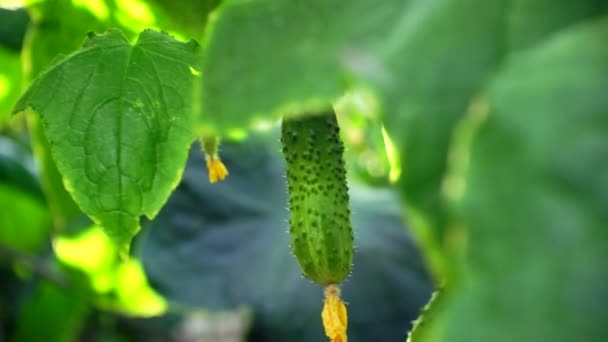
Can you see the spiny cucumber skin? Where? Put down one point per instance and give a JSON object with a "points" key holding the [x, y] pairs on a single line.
{"points": [[319, 225]]}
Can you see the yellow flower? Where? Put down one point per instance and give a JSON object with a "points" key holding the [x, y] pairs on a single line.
{"points": [[217, 169], [334, 315]]}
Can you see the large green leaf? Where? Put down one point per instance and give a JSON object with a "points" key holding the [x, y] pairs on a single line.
{"points": [[118, 119], [63, 209], [530, 22], [271, 57], [219, 246], [536, 196]]}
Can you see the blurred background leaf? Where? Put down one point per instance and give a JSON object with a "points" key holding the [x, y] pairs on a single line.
{"points": [[535, 197], [53, 312], [12, 30], [368, 156], [25, 222], [185, 16]]}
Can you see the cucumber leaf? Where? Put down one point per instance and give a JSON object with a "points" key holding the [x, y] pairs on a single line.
{"points": [[119, 122]]}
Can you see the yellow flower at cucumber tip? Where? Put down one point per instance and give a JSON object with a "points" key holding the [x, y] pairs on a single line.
{"points": [[217, 169], [335, 319]]}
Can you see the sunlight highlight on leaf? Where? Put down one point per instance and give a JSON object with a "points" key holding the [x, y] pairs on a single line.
{"points": [[124, 283], [91, 252], [97, 7], [5, 85], [135, 295], [10, 81], [195, 72], [135, 14], [393, 157], [14, 4]]}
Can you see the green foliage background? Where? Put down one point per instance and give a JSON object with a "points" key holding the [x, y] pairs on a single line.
{"points": [[494, 112]]}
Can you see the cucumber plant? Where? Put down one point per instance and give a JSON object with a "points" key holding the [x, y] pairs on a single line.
{"points": [[465, 98]]}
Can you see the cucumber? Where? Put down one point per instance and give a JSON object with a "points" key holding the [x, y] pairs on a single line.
{"points": [[319, 223]]}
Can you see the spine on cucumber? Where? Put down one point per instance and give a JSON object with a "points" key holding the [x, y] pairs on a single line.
{"points": [[319, 225]]}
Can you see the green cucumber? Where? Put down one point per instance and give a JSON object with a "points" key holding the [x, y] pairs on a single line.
{"points": [[319, 224]]}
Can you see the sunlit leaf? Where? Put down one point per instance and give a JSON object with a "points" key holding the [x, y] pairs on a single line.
{"points": [[118, 119], [10, 82], [90, 252], [12, 31], [13, 4], [365, 156], [189, 17], [135, 296], [134, 14], [120, 286]]}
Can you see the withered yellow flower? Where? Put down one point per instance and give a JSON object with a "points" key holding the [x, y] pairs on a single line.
{"points": [[335, 318], [217, 169]]}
